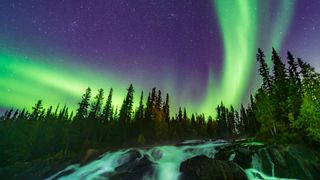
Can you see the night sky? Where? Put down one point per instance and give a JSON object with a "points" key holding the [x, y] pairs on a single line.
{"points": [[199, 51]]}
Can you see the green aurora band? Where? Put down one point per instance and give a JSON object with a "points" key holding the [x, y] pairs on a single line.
{"points": [[239, 21], [24, 80], [27, 79], [281, 24]]}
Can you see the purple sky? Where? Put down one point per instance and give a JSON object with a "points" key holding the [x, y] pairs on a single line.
{"points": [[149, 42]]}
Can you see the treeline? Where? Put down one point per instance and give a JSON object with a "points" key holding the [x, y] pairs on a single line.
{"points": [[97, 124], [286, 105]]}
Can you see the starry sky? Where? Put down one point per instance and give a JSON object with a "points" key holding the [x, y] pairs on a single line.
{"points": [[200, 52]]}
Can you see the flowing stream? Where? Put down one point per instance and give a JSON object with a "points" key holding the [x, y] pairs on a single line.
{"points": [[166, 161]]}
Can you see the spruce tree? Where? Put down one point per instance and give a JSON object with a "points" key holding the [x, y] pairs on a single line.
{"points": [[139, 116], [107, 110], [96, 105], [82, 111], [293, 69], [210, 127], [153, 98], [185, 117], [264, 71], [243, 121], [231, 121], [280, 90], [150, 116], [180, 123], [140, 113], [166, 109], [295, 96], [36, 110], [180, 116], [159, 101], [126, 108]]}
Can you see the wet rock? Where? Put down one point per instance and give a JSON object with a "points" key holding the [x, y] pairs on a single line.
{"points": [[129, 157], [202, 167], [236, 153], [134, 164], [293, 161], [224, 152], [136, 169], [243, 157], [258, 160], [156, 154], [91, 154]]}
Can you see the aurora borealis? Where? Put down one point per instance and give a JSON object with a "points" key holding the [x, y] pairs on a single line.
{"points": [[25, 80], [200, 52]]}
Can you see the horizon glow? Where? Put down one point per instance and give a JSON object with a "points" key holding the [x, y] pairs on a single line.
{"points": [[26, 80]]}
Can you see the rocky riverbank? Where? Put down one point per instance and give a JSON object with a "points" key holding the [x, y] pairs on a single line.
{"points": [[202, 160]]}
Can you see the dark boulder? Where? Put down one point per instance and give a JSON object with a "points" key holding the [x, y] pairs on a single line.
{"points": [[293, 161], [202, 167], [90, 155], [138, 168], [156, 154], [127, 159], [243, 157], [236, 153], [224, 152]]}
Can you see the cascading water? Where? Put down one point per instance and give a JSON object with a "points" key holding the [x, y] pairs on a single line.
{"points": [[166, 159], [270, 161], [106, 164], [257, 171], [164, 162]]}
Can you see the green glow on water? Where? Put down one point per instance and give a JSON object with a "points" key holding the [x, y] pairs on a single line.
{"points": [[254, 174]]}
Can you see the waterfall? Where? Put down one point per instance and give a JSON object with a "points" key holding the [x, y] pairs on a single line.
{"points": [[270, 161], [104, 165], [254, 174], [164, 162], [256, 162], [256, 170]]}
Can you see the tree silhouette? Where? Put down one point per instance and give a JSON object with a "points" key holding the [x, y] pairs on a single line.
{"points": [[264, 70], [96, 105], [295, 97], [107, 110], [126, 108], [280, 91], [82, 111], [36, 110]]}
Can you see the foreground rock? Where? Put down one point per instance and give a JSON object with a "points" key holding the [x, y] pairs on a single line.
{"points": [[200, 160], [134, 168], [290, 161], [294, 161], [202, 167]]}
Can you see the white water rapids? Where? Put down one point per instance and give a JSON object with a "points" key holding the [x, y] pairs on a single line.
{"points": [[166, 162]]}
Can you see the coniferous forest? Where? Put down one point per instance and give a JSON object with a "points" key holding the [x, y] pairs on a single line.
{"points": [[284, 109]]}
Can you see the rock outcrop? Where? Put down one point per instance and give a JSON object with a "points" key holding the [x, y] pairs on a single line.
{"points": [[202, 167]]}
